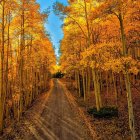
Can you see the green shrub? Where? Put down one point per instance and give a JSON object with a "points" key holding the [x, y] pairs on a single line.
{"points": [[58, 75], [105, 112]]}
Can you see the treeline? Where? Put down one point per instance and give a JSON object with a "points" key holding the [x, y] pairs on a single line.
{"points": [[26, 57], [101, 48]]}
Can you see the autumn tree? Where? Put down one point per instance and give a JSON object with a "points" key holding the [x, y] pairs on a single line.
{"points": [[27, 57], [107, 32]]}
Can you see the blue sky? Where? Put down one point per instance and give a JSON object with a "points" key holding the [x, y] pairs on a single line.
{"points": [[53, 25]]}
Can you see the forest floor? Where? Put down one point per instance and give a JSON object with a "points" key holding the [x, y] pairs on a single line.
{"points": [[114, 128], [51, 117]]}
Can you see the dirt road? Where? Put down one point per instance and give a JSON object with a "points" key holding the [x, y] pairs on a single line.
{"points": [[52, 118]]}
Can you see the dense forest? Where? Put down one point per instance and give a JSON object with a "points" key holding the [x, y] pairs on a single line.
{"points": [[100, 49], [26, 57]]}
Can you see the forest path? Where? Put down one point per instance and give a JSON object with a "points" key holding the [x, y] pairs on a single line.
{"points": [[54, 118]]}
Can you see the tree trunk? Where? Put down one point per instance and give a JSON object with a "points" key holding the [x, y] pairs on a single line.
{"points": [[2, 94], [127, 82]]}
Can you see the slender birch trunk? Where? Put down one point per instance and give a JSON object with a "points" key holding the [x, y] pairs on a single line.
{"points": [[127, 82]]}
